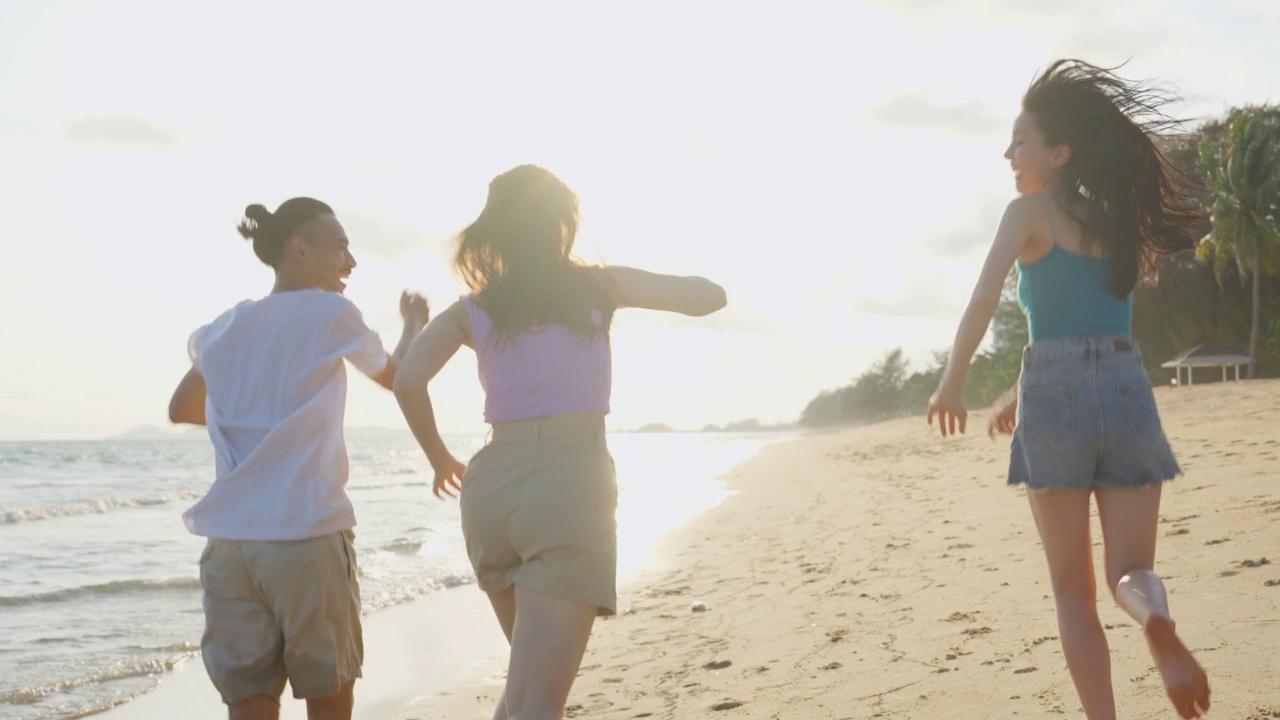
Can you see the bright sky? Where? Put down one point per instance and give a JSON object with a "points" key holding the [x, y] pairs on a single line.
{"points": [[836, 166]]}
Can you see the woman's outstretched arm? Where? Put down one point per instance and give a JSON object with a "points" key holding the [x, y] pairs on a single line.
{"points": [[1015, 231], [428, 354], [696, 296]]}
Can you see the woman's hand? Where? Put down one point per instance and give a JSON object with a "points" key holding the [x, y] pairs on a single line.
{"points": [[1004, 420], [946, 404], [449, 474]]}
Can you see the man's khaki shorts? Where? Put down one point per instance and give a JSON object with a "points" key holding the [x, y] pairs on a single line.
{"points": [[538, 505], [277, 611]]}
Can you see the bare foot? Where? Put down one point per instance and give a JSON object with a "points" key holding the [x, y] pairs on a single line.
{"points": [[1184, 679]]}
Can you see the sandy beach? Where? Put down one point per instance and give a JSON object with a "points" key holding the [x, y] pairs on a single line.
{"points": [[881, 572]]}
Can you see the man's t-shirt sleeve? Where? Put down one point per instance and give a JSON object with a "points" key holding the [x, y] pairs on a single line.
{"points": [[195, 349], [200, 340], [353, 340]]}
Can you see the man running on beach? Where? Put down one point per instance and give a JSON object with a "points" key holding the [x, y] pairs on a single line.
{"points": [[281, 597]]}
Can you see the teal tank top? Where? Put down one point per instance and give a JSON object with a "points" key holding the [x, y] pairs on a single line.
{"points": [[1068, 295]]}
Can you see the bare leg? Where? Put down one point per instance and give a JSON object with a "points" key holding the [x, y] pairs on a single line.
{"points": [[337, 706], [549, 639], [1062, 517], [1130, 520], [504, 607], [258, 707]]}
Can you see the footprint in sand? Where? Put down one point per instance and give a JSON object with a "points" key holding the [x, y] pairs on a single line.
{"points": [[727, 705], [717, 664], [958, 616], [1254, 563]]}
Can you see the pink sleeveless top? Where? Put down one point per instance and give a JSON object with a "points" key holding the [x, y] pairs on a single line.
{"points": [[543, 372]]}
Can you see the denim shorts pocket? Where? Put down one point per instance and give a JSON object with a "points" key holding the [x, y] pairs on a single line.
{"points": [[1140, 405], [1047, 414]]}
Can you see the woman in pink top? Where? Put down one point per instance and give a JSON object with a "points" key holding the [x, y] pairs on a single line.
{"points": [[538, 501]]}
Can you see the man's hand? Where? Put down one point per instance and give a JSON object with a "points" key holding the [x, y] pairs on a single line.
{"points": [[414, 309]]}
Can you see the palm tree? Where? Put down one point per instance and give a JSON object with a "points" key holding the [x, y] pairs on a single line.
{"points": [[1242, 171]]}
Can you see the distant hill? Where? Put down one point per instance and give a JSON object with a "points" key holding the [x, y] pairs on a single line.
{"points": [[751, 425], [654, 428]]}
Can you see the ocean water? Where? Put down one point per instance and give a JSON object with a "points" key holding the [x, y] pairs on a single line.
{"points": [[99, 592]]}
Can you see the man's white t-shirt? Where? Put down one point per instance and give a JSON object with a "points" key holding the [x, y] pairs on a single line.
{"points": [[277, 393]]}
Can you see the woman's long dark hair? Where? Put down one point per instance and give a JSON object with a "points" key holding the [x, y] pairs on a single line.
{"points": [[517, 257], [1117, 184]]}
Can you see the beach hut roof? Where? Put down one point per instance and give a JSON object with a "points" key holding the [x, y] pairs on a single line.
{"points": [[1208, 355]]}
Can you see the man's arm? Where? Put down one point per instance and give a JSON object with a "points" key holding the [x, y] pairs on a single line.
{"points": [[188, 401], [387, 378], [416, 314]]}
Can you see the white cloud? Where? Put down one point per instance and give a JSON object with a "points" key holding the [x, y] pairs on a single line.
{"points": [[123, 130], [968, 234], [916, 111], [379, 234]]}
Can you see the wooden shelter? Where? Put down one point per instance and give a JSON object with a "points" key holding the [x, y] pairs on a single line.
{"points": [[1208, 355]]}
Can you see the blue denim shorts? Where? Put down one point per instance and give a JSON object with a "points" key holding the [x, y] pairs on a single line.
{"points": [[1087, 418]]}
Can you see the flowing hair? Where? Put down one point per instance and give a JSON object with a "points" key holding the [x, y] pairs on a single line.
{"points": [[517, 257], [1117, 184]]}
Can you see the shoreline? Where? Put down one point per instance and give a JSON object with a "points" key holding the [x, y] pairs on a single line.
{"points": [[410, 653]]}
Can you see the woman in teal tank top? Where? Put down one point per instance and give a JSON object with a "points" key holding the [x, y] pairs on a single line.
{"points": [[1097, 203]]}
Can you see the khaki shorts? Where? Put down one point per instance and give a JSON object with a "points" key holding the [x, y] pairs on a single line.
{"points": [[538, 510], [277, 611]]}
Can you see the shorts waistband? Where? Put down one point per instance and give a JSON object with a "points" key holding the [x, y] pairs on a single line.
{"points": [[1083, 347], [573, 429]]}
